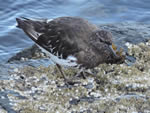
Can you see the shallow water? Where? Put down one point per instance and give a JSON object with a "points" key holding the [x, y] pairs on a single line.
{"points": [[12, 40]]}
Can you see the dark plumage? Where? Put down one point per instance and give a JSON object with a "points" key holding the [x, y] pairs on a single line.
{"points": [[87, 45]]}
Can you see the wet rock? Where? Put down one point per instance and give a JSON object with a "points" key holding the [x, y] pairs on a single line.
{"points": [[2, 110], [30, 53], [128, 32], [115, 88]]}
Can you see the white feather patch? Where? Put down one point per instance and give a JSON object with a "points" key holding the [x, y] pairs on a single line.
{"points": [[71, 61], [48, 20], [34, 34]]}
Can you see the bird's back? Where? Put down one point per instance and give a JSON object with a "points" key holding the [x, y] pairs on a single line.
{"points": [[70, 36], [73, 29]]}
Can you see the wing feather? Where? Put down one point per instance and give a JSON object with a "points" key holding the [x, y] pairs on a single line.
{"points": [[57, 42]]}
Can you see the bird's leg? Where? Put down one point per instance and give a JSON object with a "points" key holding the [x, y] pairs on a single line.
{"points": [[67, 81], [60, 70], [82, 72], [79, 72]]}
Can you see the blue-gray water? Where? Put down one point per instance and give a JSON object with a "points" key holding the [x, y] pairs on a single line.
{"points": [[12, 40]]}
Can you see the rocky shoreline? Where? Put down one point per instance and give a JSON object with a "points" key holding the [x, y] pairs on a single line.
{"points": [[116, 88]]}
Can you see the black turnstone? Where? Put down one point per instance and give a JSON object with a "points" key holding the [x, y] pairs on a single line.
{"points": [[72, 41]]}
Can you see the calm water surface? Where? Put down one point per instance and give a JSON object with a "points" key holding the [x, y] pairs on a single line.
{"points": [[12, 40]]}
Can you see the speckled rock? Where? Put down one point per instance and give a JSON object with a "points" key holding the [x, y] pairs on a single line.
{"points": [[116, 88]]}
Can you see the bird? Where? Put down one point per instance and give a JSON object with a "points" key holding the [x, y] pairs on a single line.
{"points": [[72, 42]]}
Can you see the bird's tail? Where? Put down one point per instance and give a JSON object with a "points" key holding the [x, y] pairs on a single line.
{"points": [[31, 27]]}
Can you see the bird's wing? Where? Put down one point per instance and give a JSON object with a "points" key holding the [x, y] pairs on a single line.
{"points": [[57, 42], [50, 35], [33, 28]]}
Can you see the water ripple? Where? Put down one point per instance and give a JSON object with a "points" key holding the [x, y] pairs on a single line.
{"points": [[98, 11]]}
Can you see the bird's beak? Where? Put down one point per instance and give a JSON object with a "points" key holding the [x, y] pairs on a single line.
{"points": [[120, 54], [113, 49], [116, 52]]}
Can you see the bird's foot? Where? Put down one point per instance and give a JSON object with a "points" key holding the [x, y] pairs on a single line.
{"points": [[92, 72], [85, 73], [71, 81]]}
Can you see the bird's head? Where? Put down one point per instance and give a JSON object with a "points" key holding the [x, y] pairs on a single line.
{"points": [[115, 55]]}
